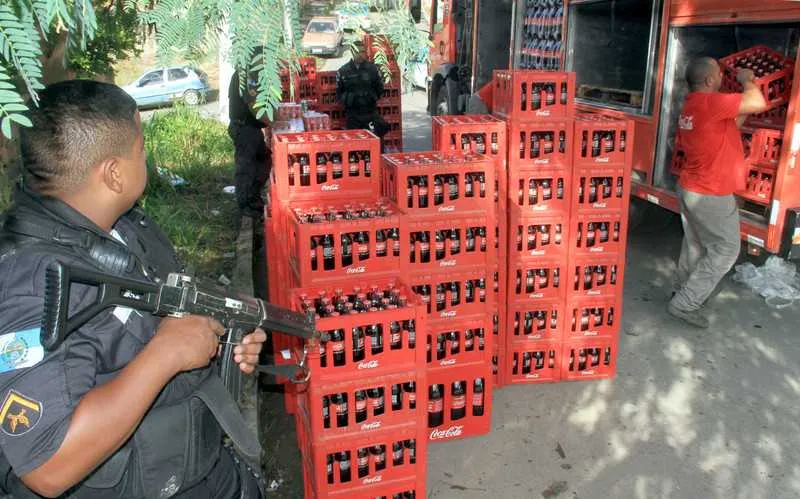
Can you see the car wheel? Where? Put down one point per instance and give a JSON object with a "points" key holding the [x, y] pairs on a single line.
{"points": [[191, 97]]}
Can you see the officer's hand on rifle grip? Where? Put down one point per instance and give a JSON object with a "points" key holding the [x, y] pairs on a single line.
{"points": [[189, 342], [246, 354]]}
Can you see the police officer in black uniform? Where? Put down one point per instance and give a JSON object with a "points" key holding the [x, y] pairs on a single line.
{"points": [[359, 85], [128, 405]]}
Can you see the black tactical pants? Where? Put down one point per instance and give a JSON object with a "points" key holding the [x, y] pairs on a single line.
{"points": [[223, 482], [253, 161]]}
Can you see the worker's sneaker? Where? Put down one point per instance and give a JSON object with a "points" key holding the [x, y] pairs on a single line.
{"points": [[694, 317]]}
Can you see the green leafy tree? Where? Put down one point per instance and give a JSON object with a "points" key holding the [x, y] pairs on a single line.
{"points": [[115, 39]]}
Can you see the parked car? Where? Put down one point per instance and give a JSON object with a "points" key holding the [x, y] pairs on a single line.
{"points": [[323, 36], [164, 85], [353, 14]]}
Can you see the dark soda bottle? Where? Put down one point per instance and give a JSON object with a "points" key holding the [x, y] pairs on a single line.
{"points": [[478, 397], [458, 403], [361, 406], [435, 406]]}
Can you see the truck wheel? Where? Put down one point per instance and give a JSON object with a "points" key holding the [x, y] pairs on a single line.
{"points": [[444, 99]]}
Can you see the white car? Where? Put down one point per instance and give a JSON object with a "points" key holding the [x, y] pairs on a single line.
{"points": [[353, 14]]}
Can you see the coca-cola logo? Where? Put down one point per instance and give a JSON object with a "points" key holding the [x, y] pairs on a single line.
{"points": [[535, 295], [356, 270], [448, 362], [599, 205], [533, 376], [452, 432], [368, 365], [537, 252], [598, 249], [451, 313], [539, 208], [371, 426], [332, 187], [541, 162], [543, 113], [602, 159], [587, 373], [374, 479], [444, 209], [447, 263], [591, 333], [593, 292]]}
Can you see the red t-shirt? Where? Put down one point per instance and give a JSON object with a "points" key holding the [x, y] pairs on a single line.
{"points": [[712, 144]]}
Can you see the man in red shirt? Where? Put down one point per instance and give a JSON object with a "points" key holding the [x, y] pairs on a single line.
{"points": [[714, 170]]}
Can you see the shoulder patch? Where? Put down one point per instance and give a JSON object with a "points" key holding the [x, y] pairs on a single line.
{"points": [[19, 414], [20, 349]]}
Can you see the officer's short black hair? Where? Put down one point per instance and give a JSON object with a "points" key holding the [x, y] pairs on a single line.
{"points": [[77, 124], [699, 69]]}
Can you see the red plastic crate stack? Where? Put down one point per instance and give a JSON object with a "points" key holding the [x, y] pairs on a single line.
{"points": [[484, 134], [774, 73], [449, 257], [304, 82]]}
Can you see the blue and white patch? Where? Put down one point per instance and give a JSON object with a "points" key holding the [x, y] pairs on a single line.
{"points": [[21, 349]]}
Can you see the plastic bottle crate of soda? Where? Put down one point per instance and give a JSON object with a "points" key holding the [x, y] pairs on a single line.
{"points": [[455, 343], [766, 148], [539, 191], [459, 402], [759, 184], [410, 180], [602, 140], [540, 279], [371, 326], [475, 133], [326, 81], [601, 189], [368, 465], [326, 165], [534, 236], [542, 144], [595, 275], [342, 239], [440, 244], [773, 73], [393, 142], [774, 118], [535, 362], [592, 318], [535, 321], [594, 358], [598, 233], [348, 409], [396, 489], [497, 359], [533, 95], [455, 293]]}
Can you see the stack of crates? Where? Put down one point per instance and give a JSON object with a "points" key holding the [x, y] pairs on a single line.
{"points": [[485, 134], [303, 83], [335, 250], [448, 256], [390, 105]]}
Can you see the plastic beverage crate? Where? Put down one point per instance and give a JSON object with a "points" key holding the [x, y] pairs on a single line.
{"points": [[371, 343], [541, 144], [759, 184], [592, 317], [342, 248], [439, 244], [534, 237], [775, 84], [767, 147], [393, 142], [594, 358], [539, 191], [456, 343], [535, 321], [347, 409], [601, 189], [535, 362], [497, 360], [326, 81], [595, 275], [326, 165], [475, 133], [598, 233], [410, 179], [602, 140], [454, 294], [465, 413], [541, 279], [532, 95], [774, 118]]}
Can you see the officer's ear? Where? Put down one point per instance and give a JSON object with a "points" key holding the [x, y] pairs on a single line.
{"points": [[111, 173]]}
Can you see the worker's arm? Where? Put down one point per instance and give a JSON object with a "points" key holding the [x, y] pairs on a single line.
{"points": [[753, 101], [107, 415]]}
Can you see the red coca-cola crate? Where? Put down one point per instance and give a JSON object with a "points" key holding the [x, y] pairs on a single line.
{"points": [[774, 118], [319, 252], [498, 357], [598, 233], [595, 275], [454, 294], [327, 98], [333, 466], [540, 279], [390, 108], [602, 140], [539, 191], [759, 184], [349, 409], [316, 122], [601, 189], [319, 153], [523, 95], [594, 358], [475, 133], [439, 244], [775, 82], [766, 148], [358, 335], [326, 81], [393, 142], [534, 362], [455, 343], [541, 144], [393, 489], [593, 317], [534, 237], [452, 416], [409, 180], [535, 321]]}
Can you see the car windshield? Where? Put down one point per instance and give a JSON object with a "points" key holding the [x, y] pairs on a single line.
{"points": [[321, 27]]}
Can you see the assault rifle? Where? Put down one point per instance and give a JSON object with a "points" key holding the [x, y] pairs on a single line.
{"points": [[177, 297]]}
